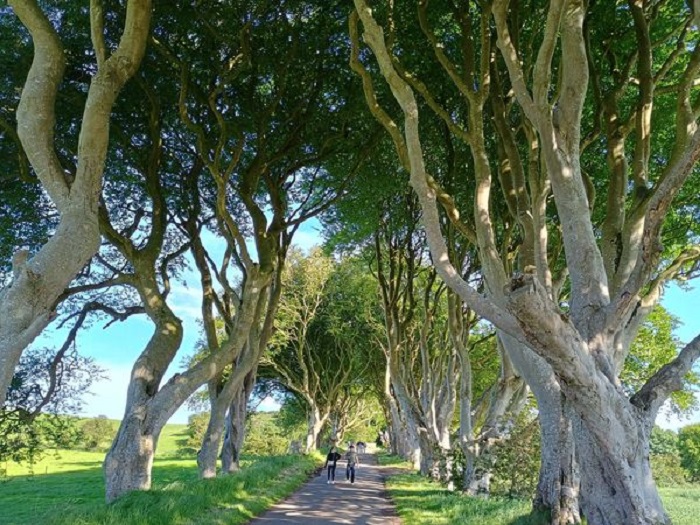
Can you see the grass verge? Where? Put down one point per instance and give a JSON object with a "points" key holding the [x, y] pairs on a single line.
{"points": [[76, 497], [422, 502]]}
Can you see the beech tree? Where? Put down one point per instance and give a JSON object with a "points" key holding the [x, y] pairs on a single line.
{"points": [[29, 299], [615, 264], [320, 348]]}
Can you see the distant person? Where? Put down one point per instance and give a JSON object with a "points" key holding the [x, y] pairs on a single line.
{"points": [[331, 463], [353, 462], [361, 447]]}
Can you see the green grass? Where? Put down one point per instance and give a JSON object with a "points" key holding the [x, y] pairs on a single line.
{"points": [[421, 502], [69, 490], [682, 504]]}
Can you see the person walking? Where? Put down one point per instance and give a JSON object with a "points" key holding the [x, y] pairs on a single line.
{"points": [[353, 462], [331, 463]]}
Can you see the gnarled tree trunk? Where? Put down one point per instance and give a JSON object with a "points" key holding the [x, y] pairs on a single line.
{"points": [[148, 408], [236, 426], [314, 424], [28, 302], [558, 485]]}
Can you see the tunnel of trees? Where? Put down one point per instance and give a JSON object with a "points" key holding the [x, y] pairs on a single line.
{"points": [[503, 189]]}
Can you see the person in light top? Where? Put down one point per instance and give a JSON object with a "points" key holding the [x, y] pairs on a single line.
{"points": [[353, 462]]}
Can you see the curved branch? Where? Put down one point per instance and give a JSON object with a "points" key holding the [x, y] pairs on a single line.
{"points": [[667, 380]]}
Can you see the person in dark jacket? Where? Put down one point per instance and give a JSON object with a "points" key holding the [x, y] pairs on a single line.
{"points": [[331, 463]]}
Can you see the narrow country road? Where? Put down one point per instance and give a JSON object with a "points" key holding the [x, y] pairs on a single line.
{"points": [[363, 503]]}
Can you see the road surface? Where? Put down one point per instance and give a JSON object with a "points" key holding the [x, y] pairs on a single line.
{"points": [[363, 503]]}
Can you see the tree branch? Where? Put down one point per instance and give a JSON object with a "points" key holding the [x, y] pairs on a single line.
{"points": [[667, 380]]}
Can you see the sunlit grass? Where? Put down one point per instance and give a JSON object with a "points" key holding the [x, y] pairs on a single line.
{"points": [[682, 504], [421, 502], [68, 489]]}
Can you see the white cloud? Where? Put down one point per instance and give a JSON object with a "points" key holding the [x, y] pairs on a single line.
{"points": [[268, 405], [186, 301]]}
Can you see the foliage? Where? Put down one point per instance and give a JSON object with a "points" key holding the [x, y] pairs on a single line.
{"points": [[667, 470], [98, 433], [663, 441], [196, 427], [264, 436], [689, 448], [291, 417], [325, 350], [48, 382], [266, 433], [30, 441], [665, 458], [654, 346], [518, 458]]}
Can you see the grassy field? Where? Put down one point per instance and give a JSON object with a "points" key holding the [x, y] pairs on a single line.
{"points": [[68, 489], [421, 502]]}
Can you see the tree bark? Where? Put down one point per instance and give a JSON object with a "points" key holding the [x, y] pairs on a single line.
{"points": [[236, 426], [558, 484], [315, 422], [221, 403], [613, 491], [411, 448], [129, 462]]}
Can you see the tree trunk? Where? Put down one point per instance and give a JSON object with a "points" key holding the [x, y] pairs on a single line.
{"points": [[235, 387], [129, 461], [209, 452], [236, 426], [617, 490], [558, 484], [147, 403], [411, 449], [394, 417], [315, 424], [395, 425], [28, 302]]}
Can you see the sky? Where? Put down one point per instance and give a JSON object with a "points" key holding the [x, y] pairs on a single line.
{"points": [[116, 348]]}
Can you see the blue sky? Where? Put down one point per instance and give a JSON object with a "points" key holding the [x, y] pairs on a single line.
{"points": [[116, 348]]}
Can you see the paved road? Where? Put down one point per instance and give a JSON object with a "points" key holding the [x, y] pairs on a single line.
{"points": [[363, 503]]}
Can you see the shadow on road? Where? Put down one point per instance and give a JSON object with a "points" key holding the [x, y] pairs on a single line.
{"points": [[363, 503]]}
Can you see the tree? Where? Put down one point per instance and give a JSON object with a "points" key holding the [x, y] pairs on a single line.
{"points": [[251, 154], [654, 346], [46, 389], [29, 300], [614, 265], [302, 366], [689, 448], [97, 433]]}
